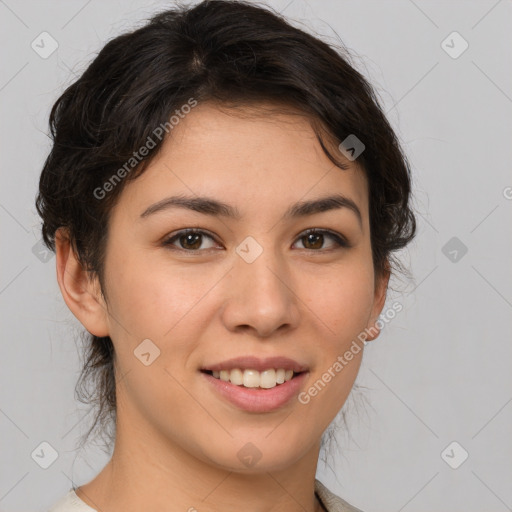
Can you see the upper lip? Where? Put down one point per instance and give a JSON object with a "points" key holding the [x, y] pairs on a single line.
{"points": [[255, 363]]}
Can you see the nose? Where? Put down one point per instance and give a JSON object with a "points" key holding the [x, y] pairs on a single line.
{"points": [[261, 296]]}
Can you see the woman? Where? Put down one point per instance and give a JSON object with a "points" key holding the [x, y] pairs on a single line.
{"points": [[224, 195]]}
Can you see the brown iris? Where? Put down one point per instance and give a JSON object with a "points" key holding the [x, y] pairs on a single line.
{"points": [[191, 236], [311, 237]]}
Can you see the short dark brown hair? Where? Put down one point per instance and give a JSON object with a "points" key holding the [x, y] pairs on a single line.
{"points": [[233, 53]]}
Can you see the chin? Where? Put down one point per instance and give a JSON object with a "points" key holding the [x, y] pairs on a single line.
{"points": [[257, 454]]}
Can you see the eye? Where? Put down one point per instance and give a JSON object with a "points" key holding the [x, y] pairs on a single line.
{"points": [[314, 238], [189, 239]]}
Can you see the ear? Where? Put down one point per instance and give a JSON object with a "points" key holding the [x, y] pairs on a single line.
{"points": [[81, 293], [379, 299]]}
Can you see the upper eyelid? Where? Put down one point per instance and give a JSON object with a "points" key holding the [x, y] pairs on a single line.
{"points": [[201, 231]]}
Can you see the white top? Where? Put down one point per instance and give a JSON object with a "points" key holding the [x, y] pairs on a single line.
{"points": [[332, 503]]}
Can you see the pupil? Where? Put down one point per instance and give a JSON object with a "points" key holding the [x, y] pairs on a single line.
{"points": [[190, 236], [312, 236]]}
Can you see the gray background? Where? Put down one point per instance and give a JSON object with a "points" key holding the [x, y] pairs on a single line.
{"points": [[439, 373]]}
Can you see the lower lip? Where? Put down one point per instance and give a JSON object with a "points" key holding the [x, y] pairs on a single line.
{"points": [[257, 399]]}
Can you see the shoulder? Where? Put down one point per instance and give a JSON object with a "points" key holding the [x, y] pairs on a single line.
{"points": [[332, 502], [71, 503]]}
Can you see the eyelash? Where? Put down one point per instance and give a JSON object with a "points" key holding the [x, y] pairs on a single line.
{"points": [[339, 239]]}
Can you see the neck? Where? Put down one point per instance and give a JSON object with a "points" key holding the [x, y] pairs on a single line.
{"points": [[149, 473]]}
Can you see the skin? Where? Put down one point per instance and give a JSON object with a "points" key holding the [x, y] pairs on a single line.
{"points": [[177, 440]]}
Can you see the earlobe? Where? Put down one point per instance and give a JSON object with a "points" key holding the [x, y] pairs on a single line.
{"points": [[373, 329], [81, 294]]}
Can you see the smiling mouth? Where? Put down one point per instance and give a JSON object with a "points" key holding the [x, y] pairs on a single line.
{"points": [[250, 378]]}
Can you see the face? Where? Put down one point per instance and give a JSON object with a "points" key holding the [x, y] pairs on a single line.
{"points": [[255, 284]]}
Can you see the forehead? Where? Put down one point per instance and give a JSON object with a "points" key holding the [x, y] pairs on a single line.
{"points": [[258, 160]]}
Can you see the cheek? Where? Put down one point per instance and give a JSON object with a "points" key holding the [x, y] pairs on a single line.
{"points": [[152, 300], [341, 301], [340, 305]]}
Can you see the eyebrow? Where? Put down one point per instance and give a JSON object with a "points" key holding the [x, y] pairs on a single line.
{"points": [[214, 207]]}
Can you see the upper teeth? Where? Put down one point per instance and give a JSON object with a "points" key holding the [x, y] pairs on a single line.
{"points": [[253, 378]]}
